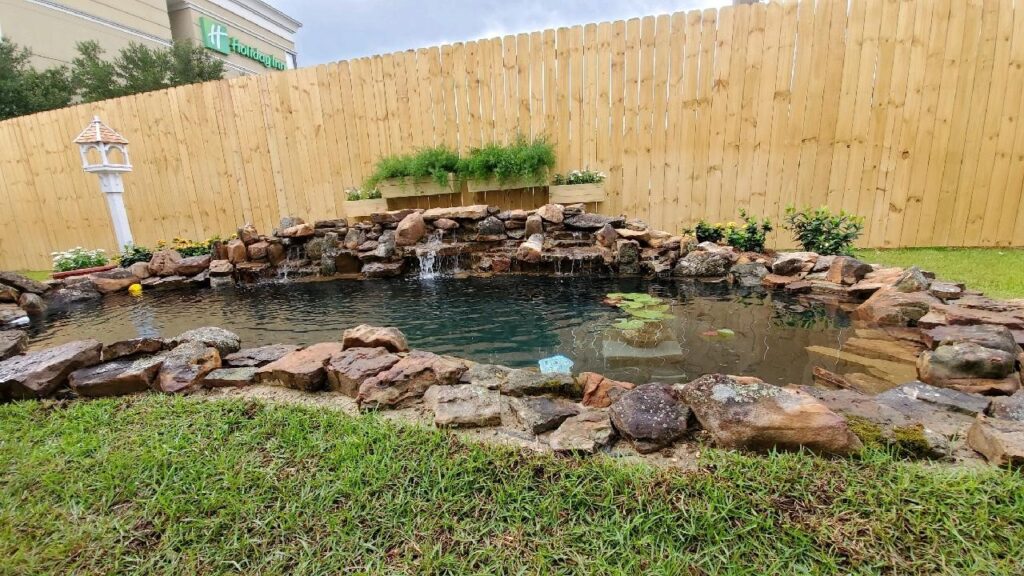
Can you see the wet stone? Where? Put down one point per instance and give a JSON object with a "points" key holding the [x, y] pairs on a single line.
{"points": [[236, 377], [38, 374], [260, 356], [124, 376], [540, 414], [12, 342]]}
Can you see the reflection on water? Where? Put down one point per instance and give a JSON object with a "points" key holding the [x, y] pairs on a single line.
{"points": [[506, 320]]}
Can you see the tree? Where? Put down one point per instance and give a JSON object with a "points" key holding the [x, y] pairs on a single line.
{"points": [[93, 76], [24, 90]]}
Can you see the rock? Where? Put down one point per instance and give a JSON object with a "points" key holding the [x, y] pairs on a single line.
{"points": [[185, 366], [892, 307], [12, 315], [297, 231], [946, 291], [386, 247], [554, 213], [383, 269], [584, 433], [333, 223], [301, 370], [289, 221], [601, 392], [952, 400], [1005, 407], [116, 378], [968, 367], [8, 293], [129, 348], [392, 216], [411, 229], [759, 416], [446, 224], [587, 221], [642, 236], [606, 236], [531, 250], [354, 238], [32, 304], [221, 268], [347, 370], [406, 381], [223, 340], [748, 275], [260, 356], [248, 234], [165, 262], [790, 263], [164, 283], [847, 270], [22, 283], [475, 212], [703, 264], [651, 417], [38, 374], [237, 251], [823, 263], [12, 342], [463, 406], [276, 253], [490, 230], [541, 414], [628, 257], [368, 246], [258, 250], [115, 280], [912, 280], [235, 377], [1000, 441], [140, 270], [518, 382], [986, 335], [192, 265], [366, 336], [534, 225], [70, 294]]}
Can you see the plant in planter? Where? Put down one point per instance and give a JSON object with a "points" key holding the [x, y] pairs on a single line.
{"points": [[819, 230], [577, 186], [425, 172], [79, 258], [521, 164], [361, 202], [132, 254], [644, 325]]}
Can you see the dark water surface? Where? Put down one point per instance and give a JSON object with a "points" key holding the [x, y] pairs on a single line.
{"points": [[505, 320]]}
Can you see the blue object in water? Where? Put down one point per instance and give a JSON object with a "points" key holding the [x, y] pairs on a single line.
{"points": [[555, 365]]}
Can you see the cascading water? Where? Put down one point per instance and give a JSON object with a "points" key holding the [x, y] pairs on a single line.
{"points": [[430, 262], [292, 257]]}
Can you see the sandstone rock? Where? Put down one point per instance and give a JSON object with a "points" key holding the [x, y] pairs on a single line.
{"points": [[490, 229], [333, 223], [221, 268], [235, 377], [606, 236], [406, 381], [347, 370], [903, 396], [115, 280], [248, 234], [140, 270], [164, 283], [22, 283], [12, 342], [354, 238], [986, 335], [703, 264], [790, 263], [297, 231], [165, 262], [301, 370], [584, 433], [892, 307], [192, 265], [237, 252], [554, 213], [628, 257], [410, 230], [475, 212], [912, 280], [534, 225], [968, 367], [12, 315], [258, 250], [1005, 407], [392, 216], [289, 221], [587, 221], [463, 406], [32, 304], [383, 269], [748, 275], [1000, 441], [847, 270], [446, 224], [366, 336], [540, 414], [651, 417], [386, 246], [601, 392], [642, 236], [758, 416], [223, 340], [260, 356], [185, 366], [68, 295], [116, 378], [823, 263], [518, 382], [38, 374], [531, 250], [8, 293], [133, 347], [946, 291]]}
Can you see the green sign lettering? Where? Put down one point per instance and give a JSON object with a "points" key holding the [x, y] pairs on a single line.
{"points": [[216, 37]]}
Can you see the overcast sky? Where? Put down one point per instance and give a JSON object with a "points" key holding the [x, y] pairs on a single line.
{"points": [[342, 29]]}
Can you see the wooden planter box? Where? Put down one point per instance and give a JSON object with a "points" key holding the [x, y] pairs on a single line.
{"points": [[82, 271], [575, 193], [494, 185], [357, 208], [410, 188]]}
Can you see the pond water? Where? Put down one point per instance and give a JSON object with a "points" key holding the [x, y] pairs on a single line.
{"points": [[504, 320]]}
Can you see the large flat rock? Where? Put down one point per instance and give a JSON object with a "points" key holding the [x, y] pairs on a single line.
{"points": [[116, 378], [302, 370], [38, 374]]}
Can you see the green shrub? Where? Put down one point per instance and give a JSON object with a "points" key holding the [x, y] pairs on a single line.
{"points": [[435, 163], [750, 236], [78, 258], [356, 194], [819, 230], [704, 231], [522, 160], [132, 254], [187, 247], [578, 177]]}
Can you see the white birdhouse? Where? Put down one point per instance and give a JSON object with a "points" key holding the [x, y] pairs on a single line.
{"points": [[105, 153]]}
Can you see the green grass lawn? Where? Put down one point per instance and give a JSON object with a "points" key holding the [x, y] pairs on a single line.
{"points": [[998, 272], [168, 485]]}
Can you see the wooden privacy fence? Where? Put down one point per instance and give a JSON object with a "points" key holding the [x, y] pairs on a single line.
{"points": [[904, 111]]}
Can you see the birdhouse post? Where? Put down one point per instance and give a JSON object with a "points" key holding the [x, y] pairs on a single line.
{"points": [[105, 153]]}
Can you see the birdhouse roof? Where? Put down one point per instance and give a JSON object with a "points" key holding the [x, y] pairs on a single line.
{"points": [[99, 133]]}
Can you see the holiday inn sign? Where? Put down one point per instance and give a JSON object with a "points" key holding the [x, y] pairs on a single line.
{"points": [[215, 37]]}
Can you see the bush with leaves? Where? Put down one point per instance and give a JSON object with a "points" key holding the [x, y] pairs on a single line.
{"points": [[750, 236], [132, 254], [357, 194], [521, 161], [23, 90], [78, 258], [187, 247], [434, 163], [704, 231], [578, 177], [819, 230], [139, 68]]}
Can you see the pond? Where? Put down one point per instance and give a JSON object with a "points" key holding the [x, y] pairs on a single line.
{"points": [[510, 320]]}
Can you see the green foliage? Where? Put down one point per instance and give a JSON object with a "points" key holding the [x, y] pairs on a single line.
{"points": [[434, 163], [187, 247], [139, 68], [522, 160], [640, 307], [704, 231], [750, 236], [819, 230], [356, 194], [578, 177], [132, 253], [24, 90], [78, 258]]}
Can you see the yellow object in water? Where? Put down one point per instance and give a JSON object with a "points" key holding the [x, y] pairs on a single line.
{"points": [[135, 289]]}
